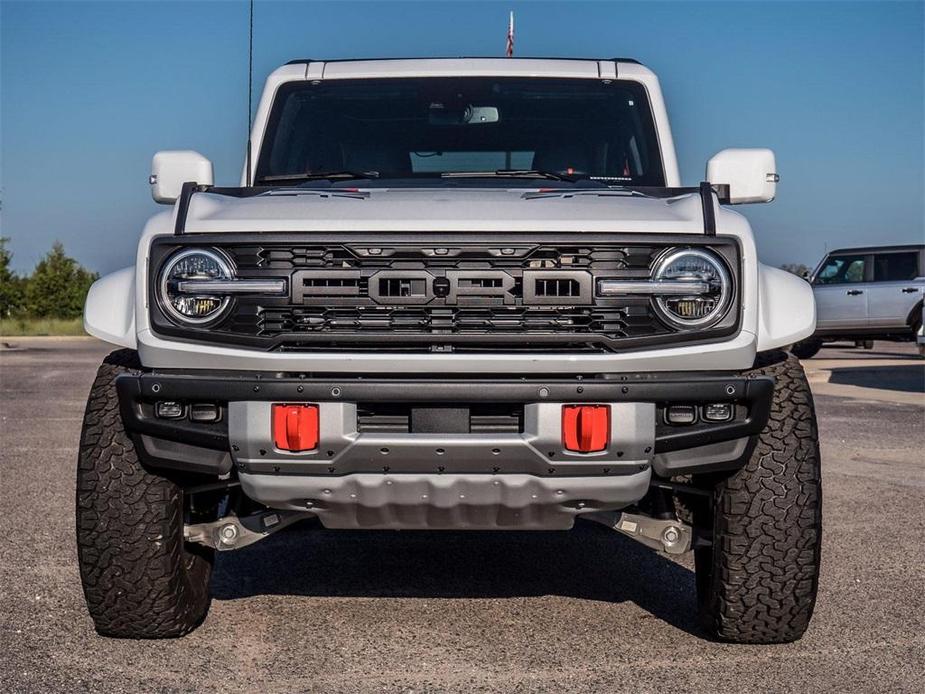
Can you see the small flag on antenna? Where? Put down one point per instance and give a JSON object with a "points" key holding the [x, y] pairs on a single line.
{"points": [[510, 37]]}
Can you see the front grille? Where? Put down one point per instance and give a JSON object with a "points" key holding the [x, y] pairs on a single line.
{"points": [[439, 293]]}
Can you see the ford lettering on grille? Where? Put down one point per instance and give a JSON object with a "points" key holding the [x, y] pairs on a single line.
{"points": [[450, 287]]}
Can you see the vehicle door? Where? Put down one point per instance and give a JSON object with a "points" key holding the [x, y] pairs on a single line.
{"points": [[894, 292], [840, 290]]}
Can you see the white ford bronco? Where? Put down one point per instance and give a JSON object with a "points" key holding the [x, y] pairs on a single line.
{"points": [[452, 294]]}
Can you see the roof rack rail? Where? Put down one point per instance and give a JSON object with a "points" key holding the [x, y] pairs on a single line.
{"points": [[301, 61]]}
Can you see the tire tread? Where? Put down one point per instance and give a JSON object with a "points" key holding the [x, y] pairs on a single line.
{"points": [[767, 523], [139, 579]]}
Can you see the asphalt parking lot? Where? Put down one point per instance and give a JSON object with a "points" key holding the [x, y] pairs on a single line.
{"points": [[586, 610]]}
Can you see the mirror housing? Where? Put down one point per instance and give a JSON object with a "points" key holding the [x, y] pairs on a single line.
{"points": [[170, 169], [744, 175]]}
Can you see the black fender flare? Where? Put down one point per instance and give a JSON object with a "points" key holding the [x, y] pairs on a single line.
{"points": [[915, 315]]}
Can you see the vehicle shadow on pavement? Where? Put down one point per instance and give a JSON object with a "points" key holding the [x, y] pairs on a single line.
{"points": [[590, 562], [835, 353], [906, 379]]}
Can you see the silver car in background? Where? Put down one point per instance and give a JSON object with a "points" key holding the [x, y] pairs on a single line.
{"points": [[865, 294]]}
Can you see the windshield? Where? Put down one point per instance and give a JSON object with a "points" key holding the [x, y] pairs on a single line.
{"points": [[428, 127]]}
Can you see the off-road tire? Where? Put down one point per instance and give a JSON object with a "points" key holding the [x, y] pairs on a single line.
{"points": [[806, 349], [139, 578], [758, 581]]}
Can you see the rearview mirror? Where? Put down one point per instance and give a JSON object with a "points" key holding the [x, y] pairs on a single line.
{"points": [[744, 175], [439, 114], [170, 169]]}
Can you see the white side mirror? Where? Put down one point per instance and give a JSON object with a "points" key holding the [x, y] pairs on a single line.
{"points": [[749, 174], [170, 169]]}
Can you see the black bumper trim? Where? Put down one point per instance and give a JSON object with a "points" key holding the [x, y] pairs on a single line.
{"points": [[138, 392]]}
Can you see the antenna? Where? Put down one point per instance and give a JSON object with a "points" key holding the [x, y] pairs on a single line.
{"points": [[509, 49], [250, 89]]}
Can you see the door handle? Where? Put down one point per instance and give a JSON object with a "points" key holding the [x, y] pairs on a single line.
{"points": [[910, 290], [854, 292]]}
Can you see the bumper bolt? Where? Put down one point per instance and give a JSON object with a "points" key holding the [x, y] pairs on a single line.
{"points": [[228, 535], [671, 535]]}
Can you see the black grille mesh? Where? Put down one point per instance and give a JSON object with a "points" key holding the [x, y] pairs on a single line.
{"points": [[340, 304], [615, 322]]}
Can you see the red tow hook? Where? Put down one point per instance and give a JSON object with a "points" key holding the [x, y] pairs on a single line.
{"points": [[585, 428], [295, 427]]}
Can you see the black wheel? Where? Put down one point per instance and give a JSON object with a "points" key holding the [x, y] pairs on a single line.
{"points": [[757, 582], [807, 348], [140, 579]]}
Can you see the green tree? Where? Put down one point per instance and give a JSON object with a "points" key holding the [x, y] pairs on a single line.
{"points": [[58, 286], [11, 285]]}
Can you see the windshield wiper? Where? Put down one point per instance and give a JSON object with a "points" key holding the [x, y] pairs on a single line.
{"points": [[320, 176], [510, 173]]}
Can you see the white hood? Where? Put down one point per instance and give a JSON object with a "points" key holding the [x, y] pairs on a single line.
{"points": [[444, 209]]}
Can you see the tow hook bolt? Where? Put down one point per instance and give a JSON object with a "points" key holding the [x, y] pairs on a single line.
{"points": [[228, 534], [671, 536]]}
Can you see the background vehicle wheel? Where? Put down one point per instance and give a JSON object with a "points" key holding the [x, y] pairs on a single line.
{"points": [[139, 577], [864, 344], [806, 349], [758, 581]]}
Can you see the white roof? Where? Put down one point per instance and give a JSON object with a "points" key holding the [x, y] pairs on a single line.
{"points": [[448, 67]]}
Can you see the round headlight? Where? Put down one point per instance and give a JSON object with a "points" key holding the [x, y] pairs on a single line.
{"points": [[700, 308], [183, 303]]}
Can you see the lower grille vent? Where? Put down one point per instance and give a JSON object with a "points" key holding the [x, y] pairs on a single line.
{"points": [[616, 322], [483, 418]]}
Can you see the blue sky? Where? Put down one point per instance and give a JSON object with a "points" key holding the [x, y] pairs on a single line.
{"points": [[89, 91]]}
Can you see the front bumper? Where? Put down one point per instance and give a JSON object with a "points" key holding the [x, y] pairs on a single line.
{"points": [[358, 477]]}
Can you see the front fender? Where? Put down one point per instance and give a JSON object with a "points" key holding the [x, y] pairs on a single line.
{"points": [[109, 312], [786, 308]]}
